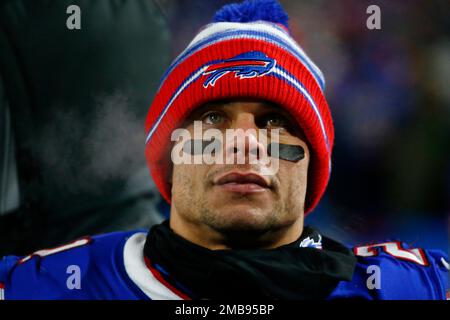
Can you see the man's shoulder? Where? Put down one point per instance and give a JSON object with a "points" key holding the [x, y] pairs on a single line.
{"points": [[78, 269], [395, 270]]}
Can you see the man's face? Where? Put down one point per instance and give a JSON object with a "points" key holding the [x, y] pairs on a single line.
{"points": [[242, 198]]}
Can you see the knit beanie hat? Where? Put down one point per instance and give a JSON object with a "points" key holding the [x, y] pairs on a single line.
{"points": [[247, 51]]}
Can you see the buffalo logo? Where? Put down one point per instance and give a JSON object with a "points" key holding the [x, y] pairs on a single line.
{"points": [[246, 65], [311, 243]]}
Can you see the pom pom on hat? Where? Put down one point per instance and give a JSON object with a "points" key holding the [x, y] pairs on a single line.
{"points": [[253, 10]]}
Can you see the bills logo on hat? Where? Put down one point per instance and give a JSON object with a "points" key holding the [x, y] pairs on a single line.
{"points": [[246, 65]]}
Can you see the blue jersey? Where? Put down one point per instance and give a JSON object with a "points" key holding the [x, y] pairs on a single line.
{"points": [[112, 266]]}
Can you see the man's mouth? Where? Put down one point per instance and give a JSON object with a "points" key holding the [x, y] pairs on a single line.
{"points": [[243, 182]]}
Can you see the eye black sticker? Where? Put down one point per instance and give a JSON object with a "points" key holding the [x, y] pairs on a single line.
{"points": [[288, 152]]}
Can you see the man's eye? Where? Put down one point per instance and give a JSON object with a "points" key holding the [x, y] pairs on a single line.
{"points": [[275, 121], [213, 118]]}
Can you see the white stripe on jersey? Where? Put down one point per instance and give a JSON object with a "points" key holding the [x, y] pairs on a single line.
{"points": [[47, 252], [133, 256], [445, 263]]}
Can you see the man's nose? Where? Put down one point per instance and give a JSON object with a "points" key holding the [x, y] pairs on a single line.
{"points": [[246, 138], [245, 121]]}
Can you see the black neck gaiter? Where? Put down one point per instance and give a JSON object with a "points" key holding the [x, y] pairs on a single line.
{"points": [[287, 272]]}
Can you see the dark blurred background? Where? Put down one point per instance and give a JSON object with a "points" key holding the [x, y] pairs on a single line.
{"points": [[73, 104]]}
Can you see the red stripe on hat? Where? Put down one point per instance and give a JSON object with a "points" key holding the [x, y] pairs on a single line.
{"points": [[228, 64]]}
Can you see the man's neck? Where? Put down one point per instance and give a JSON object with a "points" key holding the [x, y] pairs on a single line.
{"points": [[207, 237]]}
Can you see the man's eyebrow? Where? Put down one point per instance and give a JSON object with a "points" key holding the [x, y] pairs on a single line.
{"points": [[202, 109]]}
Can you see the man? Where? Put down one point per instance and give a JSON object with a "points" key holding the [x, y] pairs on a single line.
{"points": [[236, 227]]}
